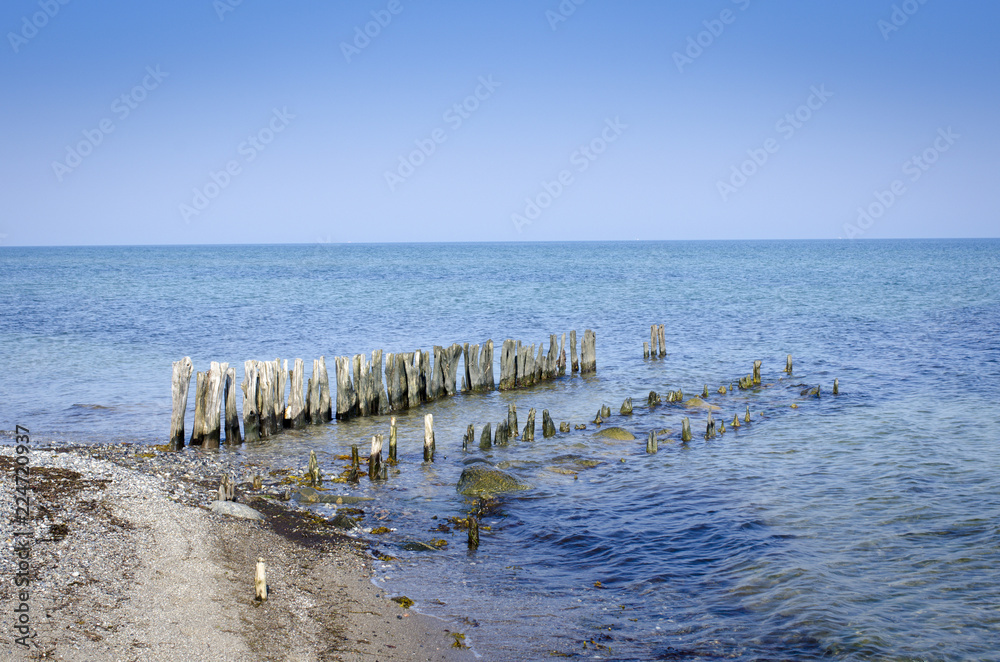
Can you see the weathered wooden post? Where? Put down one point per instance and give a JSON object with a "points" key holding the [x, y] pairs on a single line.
{"points": [[429, 438], [605, 411], [392, 440], [626, 409], [346, 397], [661, 331], [470, 436], [325, 402], [486, 438], [355, 464], [508, 359], [548, 428], [651, 442], [413, 371], [704, 393], [645, 350], [450, 367], [198, 429], [232, 416], [653, 399], [227, 489], [561, 365], [471, 371], [552, 358], [736, 420], [375, 458], [179, 384], [251, 414], [564, 426], [473, 533], [710, 426], [296, 399], [652, 340], [572, 351], [313, 473], [746, 419], [722, 427], [529, 427], [756, 373], [502, 434], [512, 419], [258, 482], [599, 419], [260, 581], [685, 430], [836, 386], [486, 367], [588, 352], [788, 364], [540, 363], [279, 393]]}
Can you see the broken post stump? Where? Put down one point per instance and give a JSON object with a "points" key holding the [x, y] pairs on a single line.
{"points": [[375, 458], [198, 428], [627, 407], [313, 473], [575, 367], [756, 373], [296, 399], [486, 438], [512, 420], [179, 384], [429, 438], [645, 350], [836, 387], [232, 416], [685, 430], [548, 428], [662, 333], [651, 442], [392, 440], [529, 427], [788, 364], [473, 533], [588, 352], [470, 436]]}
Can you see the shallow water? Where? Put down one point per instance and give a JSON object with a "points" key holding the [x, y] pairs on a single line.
{"points": [[858, 527]]}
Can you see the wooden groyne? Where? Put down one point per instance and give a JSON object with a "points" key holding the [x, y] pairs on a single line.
{"points": [[364, 386]]}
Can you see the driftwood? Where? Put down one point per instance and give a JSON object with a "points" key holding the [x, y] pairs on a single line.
{"points": [[260, 581], [179, 383]]}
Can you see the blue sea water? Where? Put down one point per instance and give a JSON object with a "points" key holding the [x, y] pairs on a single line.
{"points": [[862, 526]]}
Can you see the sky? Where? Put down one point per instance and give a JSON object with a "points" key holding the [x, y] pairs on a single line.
{"points": [[243, 121]]}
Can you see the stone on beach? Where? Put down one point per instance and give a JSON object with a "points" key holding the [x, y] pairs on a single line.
{"points": [[235, 510]]}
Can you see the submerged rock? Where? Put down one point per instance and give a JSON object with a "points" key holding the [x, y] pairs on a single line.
{"points": [[312, 495], [698, 403], [342, 521], [616, 433], [234, 509], [481, 479]]}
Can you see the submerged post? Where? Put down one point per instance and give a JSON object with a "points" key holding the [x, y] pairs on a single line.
{"points": [[685, 430], [179, 383], [836, 387], [645, 350], [756, 373], [746, 419], [627, 407], [429, 438], [473, 533], [651, 442], [710, 426], [788, 364], [529, 427], [470, 436], [548, 428]]}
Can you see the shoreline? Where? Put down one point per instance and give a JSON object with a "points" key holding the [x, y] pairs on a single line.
{"points": [[128, 563]]}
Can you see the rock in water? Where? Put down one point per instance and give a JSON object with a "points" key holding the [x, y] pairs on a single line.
{"points": [[235, 510], [701, 404], [618, 434], [481, 479]]}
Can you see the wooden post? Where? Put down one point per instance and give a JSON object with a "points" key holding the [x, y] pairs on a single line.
{"points": [[645, 350], [572, 351], [232, 416], [470, 373], [704, 393], [258, 482], [651, 442], [355, 464], [486, 438], [552, 358], [599, 419], [473, 533], [540, 363], [180, 381], [562, 356], [260, 581], [524, 365], [450, 368], [392, 440], [251, 415], [788, 364], [198, 429], [661, 331], [746, 419], [296, 401], [429, 438], [313, 474], [265, 387], [836, 388], [227, 488], [435, 387], [605, 411], [325, 402], [486, 367], [424, 378], [756, 373], [710, 426], [588, 352], [470, 436], [508, 358], [502, 434], [736, 420], [279, 393], [378, 404], [653, 399], [627, 407], [346, 396], [685, 430], [512, 419], [653, 340], [529, 427], [548, 428], [375, 458]]}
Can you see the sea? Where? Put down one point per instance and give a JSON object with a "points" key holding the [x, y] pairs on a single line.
{"points": [[857, 526]]}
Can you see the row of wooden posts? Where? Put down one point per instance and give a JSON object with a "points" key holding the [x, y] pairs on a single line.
{"points": [[410, 379]]}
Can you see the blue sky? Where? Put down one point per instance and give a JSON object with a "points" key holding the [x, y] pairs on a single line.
{"points": [[217, 122]]}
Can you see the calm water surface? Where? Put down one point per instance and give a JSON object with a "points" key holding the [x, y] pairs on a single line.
{"points": [[865, 526]]}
